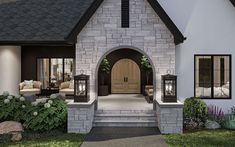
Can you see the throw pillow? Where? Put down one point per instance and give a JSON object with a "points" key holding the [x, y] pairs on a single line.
{"points": [[28, 84], [71, 85], [64, 85]]}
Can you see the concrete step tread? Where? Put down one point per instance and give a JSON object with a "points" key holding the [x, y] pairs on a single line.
{"points": [[125, 121], [125, 111], [125, 115]]}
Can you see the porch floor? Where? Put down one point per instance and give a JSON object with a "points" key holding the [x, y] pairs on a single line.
{"points": [[124, 102]]}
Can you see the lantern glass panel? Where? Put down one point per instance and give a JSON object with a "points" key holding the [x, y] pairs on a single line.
{"points": [[169, 88], [82, 88]]}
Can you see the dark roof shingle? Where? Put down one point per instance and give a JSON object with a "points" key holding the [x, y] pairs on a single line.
{"points": [[56, 21], [40, 20]]}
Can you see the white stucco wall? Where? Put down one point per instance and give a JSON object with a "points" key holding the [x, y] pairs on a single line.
{"points": [[209, 30], [10, 69], [180, 11]]}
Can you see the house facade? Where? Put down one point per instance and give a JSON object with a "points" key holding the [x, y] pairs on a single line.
{"points": [[207, 31], [75, 36]]}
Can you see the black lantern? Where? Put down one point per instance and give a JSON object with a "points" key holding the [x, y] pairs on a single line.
{"points": [[169, 88], [81, 88]]}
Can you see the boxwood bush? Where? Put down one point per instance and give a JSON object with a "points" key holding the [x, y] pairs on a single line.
{"points": [[42, 115], [195, 113]]}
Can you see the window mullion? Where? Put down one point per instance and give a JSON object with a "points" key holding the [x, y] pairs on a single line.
{"points": [[212, 76]]}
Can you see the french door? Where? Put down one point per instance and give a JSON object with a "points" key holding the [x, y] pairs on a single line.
{"points": [[53, 71]]}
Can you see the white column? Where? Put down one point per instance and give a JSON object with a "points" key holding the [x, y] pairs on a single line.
{"points": [[10, 69]]}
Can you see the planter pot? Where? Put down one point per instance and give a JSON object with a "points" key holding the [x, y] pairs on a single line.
{"points": [[212, 125], [103, 90]]}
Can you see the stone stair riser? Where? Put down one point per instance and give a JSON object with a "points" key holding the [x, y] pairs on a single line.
{"points": [[125, 118]]}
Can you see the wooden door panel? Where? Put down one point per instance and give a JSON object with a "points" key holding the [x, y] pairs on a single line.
{"points": [[133, 74], [129, 70], [117, 77]]}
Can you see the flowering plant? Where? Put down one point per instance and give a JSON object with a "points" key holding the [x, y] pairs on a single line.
{"points": [[12, 108], [42, 115], [46, 114], [215, 114], [5, 93]]}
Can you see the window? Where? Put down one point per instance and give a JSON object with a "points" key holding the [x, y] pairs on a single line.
{"points": [[53, 71], [125, 13], [213, 76]]}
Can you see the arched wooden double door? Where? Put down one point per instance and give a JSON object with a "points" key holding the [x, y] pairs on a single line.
{"points": [[125, 77]]}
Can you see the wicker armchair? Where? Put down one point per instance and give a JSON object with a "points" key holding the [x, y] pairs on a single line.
{"points": [[37, 86], [66, 89]]}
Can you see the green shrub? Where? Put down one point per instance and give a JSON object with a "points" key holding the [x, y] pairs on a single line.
{"points": [[4, 138], [233, 110], [195, 113], [12, 108], [229, 121], [46, 115]]}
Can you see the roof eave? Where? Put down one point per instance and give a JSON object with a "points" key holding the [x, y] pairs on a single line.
{"points": [[178, 36], [35, 42], [233, 2], [72, 37]]}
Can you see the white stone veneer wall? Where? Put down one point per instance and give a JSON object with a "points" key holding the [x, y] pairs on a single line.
{"points": [[170, 118], [104, 33], [10, 69], [80, 117]]}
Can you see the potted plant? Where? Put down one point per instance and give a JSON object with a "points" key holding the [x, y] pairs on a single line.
{"points": [[104, 70], [146, 68]]}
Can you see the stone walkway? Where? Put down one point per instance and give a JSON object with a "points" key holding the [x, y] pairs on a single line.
{"points": [[124, 137]]}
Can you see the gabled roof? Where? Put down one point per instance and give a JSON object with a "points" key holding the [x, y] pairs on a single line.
{"points": [[178, 36], [233, 2], [55, 21], [40, 21]]}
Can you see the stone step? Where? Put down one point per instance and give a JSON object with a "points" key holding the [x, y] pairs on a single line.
{"points": [[125, 112], [125, 118], [125, 115], [125, 123]]}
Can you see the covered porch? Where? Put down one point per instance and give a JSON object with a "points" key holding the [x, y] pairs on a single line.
{"points": [[124, 102]]}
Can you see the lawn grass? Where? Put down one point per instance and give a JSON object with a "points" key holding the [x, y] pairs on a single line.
{"points": [[205, 138], [53, 139]]}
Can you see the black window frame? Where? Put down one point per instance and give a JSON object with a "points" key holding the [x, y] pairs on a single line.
{"points": [[49, 58], [212, 76]]}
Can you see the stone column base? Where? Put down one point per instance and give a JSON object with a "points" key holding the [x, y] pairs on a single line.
{"points": [[80, 117], [170, 117]]}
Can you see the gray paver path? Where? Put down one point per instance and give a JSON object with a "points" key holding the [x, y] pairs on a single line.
{"points": [[124, 137]]}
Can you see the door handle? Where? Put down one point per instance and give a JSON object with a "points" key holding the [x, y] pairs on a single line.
{"points": [[125, 79]]}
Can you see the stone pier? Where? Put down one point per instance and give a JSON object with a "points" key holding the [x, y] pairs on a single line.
{"points": [[80, 117], [170, 117]]}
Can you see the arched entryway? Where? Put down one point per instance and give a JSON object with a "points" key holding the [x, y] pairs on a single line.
{"points": [[126, 80], [125, 77]]}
